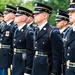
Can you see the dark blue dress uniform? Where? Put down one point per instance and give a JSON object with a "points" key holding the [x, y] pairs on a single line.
{"points": [[5, 47], [70, 47], [43, 53], [6, 44], [60, 16], [19, 44], [29, 49], [47, 46]]}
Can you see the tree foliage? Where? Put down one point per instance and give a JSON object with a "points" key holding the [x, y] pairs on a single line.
{"points": [[55, 4]]}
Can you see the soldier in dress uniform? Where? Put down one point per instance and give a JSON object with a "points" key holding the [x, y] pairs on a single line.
{"points": [[29, 44], [70, 43], [62, 19], [19, 41], [9, 15], [47, 43], [6, 42]]}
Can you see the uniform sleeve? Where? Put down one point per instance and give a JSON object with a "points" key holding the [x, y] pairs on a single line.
{"points": [[57, 47], [29, 52]]}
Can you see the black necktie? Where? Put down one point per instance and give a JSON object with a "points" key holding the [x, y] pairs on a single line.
{"points": [[17, 32], [37, 30]]}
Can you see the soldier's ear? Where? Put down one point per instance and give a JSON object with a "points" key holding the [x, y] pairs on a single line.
{"points": [[46, 15]]}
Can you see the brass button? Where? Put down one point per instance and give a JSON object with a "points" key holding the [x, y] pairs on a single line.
{"points": [[67, 54], [67, 67], [43, 42], [14, 39], [68, 47], [36, 42], [14, 44], [35, 47]]}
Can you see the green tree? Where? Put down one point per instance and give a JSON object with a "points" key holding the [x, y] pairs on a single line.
{"points": [[55, 4]]}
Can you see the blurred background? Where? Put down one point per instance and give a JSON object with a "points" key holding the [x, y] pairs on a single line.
{"points": [[55, 4]]}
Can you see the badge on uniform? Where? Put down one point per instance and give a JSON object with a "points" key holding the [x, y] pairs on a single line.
{"points": [[7, 33]]}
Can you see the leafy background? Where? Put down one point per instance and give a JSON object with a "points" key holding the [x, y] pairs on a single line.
{"points": [[55, 4]]}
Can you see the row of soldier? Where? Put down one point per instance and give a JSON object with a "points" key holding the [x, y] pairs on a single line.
{"points": [[28, 49]]}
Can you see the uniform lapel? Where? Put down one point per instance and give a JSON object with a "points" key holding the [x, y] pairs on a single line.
{"points": [[72, 37], [11, 23], [20, 32], [43, 31], [6, 27]]}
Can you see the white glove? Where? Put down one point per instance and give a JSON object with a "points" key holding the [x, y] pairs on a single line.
{"points": [[11, 66], [26, 74]]}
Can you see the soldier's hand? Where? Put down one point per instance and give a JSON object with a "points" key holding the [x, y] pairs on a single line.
{"points": [[11, 66]]}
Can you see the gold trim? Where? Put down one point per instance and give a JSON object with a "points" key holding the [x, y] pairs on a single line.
{"points": [[9, 71], [72, 3], [42, 7], [10, 9], [0, 45], [24, 11], [68, 62], [61, 16]]}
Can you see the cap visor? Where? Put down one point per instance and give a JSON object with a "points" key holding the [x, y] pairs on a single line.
{"points": [[34, 12], [5, 12], [17, 14], [58, 19], [71, 9]]}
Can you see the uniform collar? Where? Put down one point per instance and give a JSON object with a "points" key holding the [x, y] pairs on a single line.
{"points": [[61, 30], [73, 26], [9, 22], [29, 24], [20, 27], [41, 26]]}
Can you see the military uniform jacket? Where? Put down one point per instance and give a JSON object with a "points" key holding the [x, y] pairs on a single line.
{"points": [[52, 46], [30, 50], [70, 52], [19, 42], [5, 39]]}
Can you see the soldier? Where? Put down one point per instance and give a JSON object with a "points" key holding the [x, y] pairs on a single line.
{"points": [[19, 41], [6, 41], [70, 42], [47, 48], [62, 19], [29, 45]]}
